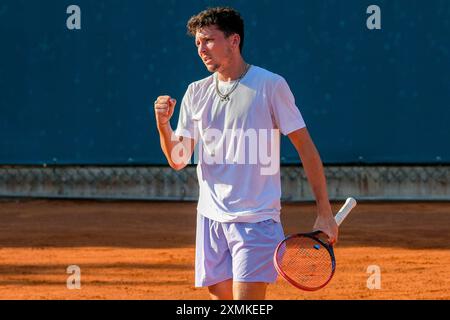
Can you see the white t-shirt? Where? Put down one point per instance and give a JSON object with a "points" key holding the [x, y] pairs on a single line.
{"points": [[239, 144]]}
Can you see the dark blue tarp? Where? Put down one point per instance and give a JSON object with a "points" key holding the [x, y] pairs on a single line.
{"points": [[85, 96]]}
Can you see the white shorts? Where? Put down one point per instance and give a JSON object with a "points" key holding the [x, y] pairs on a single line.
{"points": [[235, 250]]}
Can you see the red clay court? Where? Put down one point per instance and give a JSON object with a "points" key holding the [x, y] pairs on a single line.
{"points": [[145, 250]]}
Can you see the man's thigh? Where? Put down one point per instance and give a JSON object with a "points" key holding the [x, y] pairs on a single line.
{"points": [[252, 246]]}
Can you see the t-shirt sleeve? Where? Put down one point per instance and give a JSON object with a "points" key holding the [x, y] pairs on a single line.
{"points": [[186, 125], [286, 115]]}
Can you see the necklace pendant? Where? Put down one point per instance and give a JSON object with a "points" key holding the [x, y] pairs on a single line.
{"points": [[225, 99]]}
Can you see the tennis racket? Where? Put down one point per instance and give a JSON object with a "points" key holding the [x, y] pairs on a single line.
{"points": [[306, 260]]}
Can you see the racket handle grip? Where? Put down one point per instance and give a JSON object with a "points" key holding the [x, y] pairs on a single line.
{"points": [[350, 203]]}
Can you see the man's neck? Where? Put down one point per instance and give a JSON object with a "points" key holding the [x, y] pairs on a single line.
{"points": [[233, 71]]}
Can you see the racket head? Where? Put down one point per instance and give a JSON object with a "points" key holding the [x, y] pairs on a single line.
{"points": [[305, 260]]}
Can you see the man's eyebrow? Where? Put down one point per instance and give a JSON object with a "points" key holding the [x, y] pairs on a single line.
{"points": [[203, 38]]}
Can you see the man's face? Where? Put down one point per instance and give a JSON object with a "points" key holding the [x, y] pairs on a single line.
{"points": [[215, 50]]}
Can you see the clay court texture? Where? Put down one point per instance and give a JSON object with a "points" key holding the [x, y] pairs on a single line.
{"points": [[145, 250]]}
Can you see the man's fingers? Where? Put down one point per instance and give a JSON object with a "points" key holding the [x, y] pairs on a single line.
{"points": [[162, 99], [172, 103], [164, 106], [161, 106], [161, 112], [165, 102], [332, 240]]}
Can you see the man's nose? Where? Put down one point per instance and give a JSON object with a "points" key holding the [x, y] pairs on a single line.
{"points": [[202, 49]]}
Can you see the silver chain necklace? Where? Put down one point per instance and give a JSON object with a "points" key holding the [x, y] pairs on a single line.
{"points": [[226, 97]]}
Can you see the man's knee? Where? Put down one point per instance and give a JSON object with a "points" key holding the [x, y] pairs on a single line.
{"points": [[222, 290], [249, 290]]}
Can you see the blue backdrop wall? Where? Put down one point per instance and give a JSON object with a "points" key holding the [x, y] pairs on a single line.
{"points": [[85, 96]]}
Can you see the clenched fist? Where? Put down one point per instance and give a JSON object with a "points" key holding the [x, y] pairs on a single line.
{"points": [[164, 107]]}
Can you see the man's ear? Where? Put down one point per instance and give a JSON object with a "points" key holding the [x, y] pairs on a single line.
{"points": [[236, 40]]}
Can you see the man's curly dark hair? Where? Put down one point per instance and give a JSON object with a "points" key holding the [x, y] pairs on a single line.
{"points": [[227, 20]]}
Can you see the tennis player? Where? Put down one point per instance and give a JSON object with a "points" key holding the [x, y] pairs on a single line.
{"points": [[238, 212]]}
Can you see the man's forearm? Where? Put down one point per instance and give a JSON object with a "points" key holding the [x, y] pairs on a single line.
{"points": [[313, 167], [314, 170], [167, 142]]}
